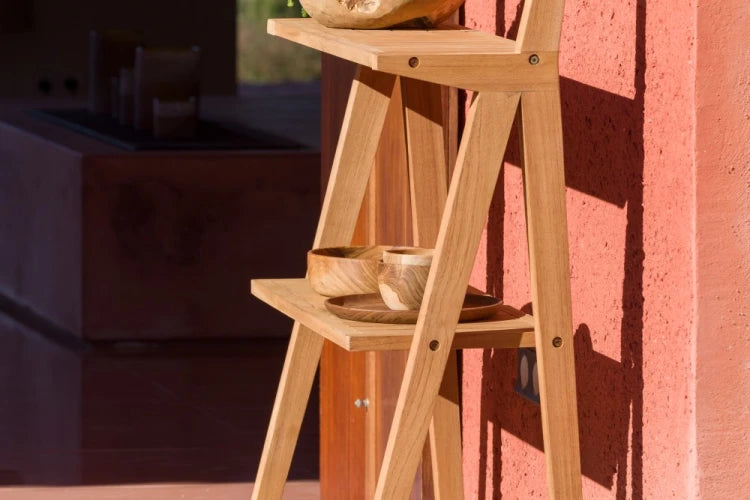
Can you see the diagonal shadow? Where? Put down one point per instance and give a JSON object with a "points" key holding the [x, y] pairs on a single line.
{"points": [[600, 129]]}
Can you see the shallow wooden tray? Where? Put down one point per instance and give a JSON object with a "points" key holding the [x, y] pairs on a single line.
{"points": [[371, 308]]}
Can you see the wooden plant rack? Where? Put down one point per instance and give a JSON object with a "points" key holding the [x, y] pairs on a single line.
{"points": [[505, 75]]}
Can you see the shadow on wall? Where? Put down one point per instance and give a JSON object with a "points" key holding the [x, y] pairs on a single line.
{"points": [[600, 128]]}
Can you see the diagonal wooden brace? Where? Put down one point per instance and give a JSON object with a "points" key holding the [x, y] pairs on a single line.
{"points": [[478, 165]]}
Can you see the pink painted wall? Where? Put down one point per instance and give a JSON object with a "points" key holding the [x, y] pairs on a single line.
{"points": [[642, 167], [722, 341]]}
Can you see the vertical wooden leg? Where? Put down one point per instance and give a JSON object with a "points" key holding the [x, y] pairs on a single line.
{"points": [[544, 181], [445, 438], [363, 123], [488, 126], [428, 171], [300, 366], [442, 471]]}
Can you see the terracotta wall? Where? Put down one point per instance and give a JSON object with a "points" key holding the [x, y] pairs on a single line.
{"points": [[722, 252], [55, 45], [650, 247]]}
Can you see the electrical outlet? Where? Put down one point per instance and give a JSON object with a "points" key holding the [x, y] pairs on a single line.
{"points": [[527, 381]]}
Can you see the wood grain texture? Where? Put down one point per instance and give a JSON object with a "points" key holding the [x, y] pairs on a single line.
{"points": [[371, 308], [409, 256], [480, 155], [335, 271], [342, 425], [297, 377], [363, 121], [342, 373], [428, 179], [541, 22], [445, 437], [389, 223], [511, 72], [424, 117], [363, 124], [402, 286], [451, 55], [336, 78], [544, 184], [365, 14], [449, 98], [509, 328]]}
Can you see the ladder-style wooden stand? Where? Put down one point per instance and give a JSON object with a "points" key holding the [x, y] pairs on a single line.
{"points": [[505, 75]]}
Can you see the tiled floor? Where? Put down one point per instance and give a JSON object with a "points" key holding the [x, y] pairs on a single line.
{"points": [[124, 415]]}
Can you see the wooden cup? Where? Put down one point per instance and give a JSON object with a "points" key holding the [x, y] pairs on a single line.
{"points": [[402, 277], [412, 256]]}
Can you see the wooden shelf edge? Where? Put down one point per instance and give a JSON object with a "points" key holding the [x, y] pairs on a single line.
{"points": [[294, 297], [463, 58]]}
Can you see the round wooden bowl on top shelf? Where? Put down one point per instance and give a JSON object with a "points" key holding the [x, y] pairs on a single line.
{"points": [[337, 271], [377, 14]]}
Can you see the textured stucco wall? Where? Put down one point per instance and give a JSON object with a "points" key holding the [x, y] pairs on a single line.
{"points": [[723, 248], [628, 93]]}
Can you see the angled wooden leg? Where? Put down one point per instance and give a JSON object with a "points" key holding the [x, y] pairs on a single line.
{"points": [[479, 159], [363, 123], [544, 181], [428, 185], [300, 366], [355, 154]]}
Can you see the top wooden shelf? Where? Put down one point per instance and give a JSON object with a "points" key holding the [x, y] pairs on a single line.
{"points": [[449, 55]]}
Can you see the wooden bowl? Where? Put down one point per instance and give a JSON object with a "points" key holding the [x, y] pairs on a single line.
{"points": [[402, 285], [337, 271]]}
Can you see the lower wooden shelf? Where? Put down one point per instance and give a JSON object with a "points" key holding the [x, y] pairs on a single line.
{"points": [[509, 328]]}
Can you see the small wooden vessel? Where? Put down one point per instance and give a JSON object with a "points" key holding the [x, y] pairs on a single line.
{"points": [[344, 270]]}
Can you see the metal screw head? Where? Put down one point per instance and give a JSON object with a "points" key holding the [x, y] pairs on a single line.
{"points": [[358, 403], [434, 345], [557, 342], [413, 62], [533, 59]]}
